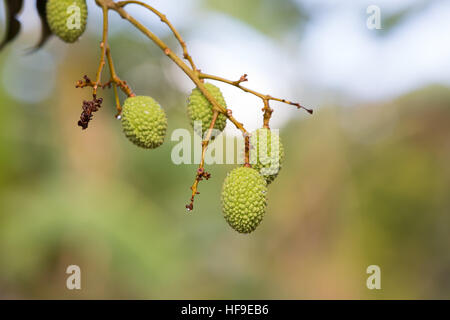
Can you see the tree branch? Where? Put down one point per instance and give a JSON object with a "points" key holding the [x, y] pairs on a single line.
{"points": [[264, 97], [117, 82], [103, 49]]}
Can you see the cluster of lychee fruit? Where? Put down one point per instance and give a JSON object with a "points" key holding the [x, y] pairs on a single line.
{"points": [[144, 122], [244, 192]]}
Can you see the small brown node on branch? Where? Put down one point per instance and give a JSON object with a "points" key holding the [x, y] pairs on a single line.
{"points": [[202, 174], [190, 206], [167, 51], [299, 106], [243, 78], [86, 82], [107, 85]]}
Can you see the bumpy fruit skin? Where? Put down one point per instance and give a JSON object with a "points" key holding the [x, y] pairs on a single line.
{"points": [[263, 158], [144, 122], [244, 199], [59, 13], [200, 109]]}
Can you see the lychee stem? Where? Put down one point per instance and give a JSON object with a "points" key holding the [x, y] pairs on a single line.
{"points": [[117, 82], [247, 151], [201, 173], [264, 97], [103, 46]]}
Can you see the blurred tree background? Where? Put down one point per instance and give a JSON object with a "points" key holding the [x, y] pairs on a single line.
{"points": [[366, 181]]}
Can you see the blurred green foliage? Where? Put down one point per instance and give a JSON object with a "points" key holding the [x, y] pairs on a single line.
{"points": [[270, 17]]}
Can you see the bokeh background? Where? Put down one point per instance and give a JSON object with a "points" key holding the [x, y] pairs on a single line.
{"points": [[366, 179]]}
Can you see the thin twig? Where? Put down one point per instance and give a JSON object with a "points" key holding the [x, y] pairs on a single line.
{"points": [[267, 114], [103, 49], [201, 173], [244, 78], [122, 84]]}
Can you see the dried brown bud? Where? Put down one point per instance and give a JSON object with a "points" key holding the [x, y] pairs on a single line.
{"points": [[89, 107]]}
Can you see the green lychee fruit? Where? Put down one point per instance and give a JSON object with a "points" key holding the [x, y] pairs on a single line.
{"points": [[67, 18], [266, 153], [244, 200], [144, 122], [200, 109]]}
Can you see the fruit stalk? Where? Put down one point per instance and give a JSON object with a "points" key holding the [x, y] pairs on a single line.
{"points": [[117, 82], [201, 173], [267, 114]]}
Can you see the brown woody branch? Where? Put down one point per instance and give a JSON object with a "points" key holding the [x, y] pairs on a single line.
{"points": [[201, 173]]}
